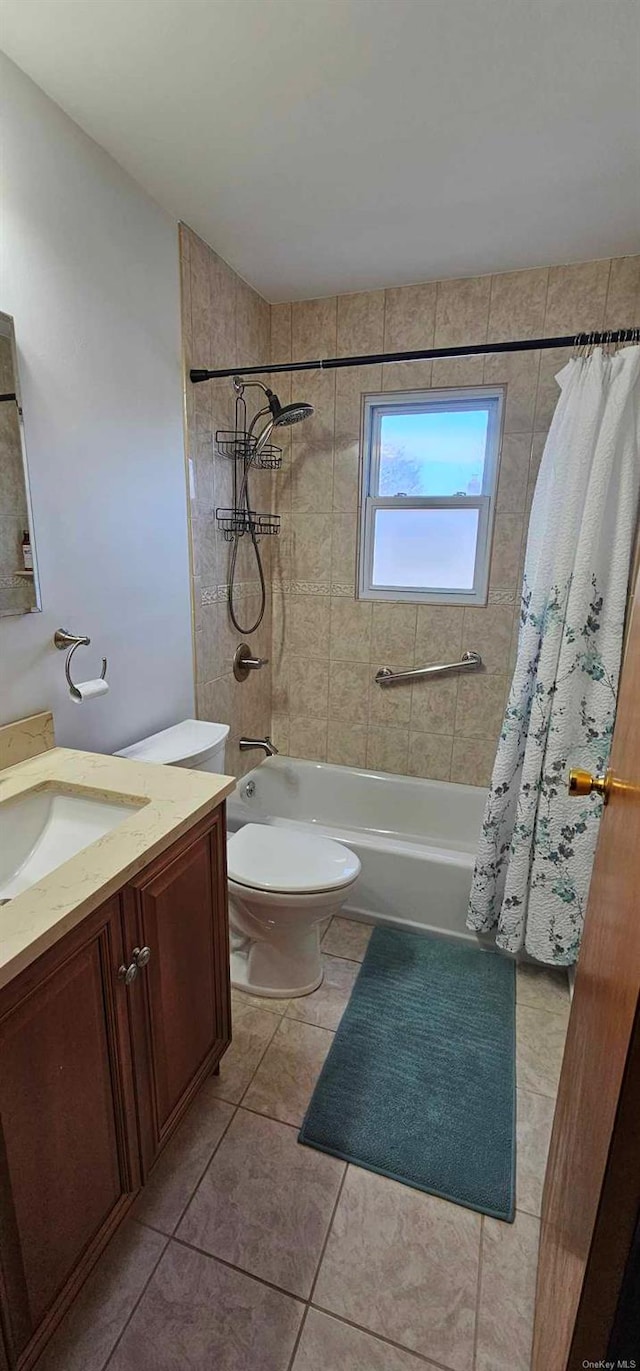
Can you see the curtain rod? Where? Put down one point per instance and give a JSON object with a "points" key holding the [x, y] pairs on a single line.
{"points": [[620, 335]]}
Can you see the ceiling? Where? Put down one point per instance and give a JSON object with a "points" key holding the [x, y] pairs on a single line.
{"points": [[340, 145]]}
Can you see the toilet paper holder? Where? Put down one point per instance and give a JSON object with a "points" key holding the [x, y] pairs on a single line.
{"points": [[63, 639]]}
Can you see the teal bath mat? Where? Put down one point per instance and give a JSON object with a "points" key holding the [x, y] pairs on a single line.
{"points": [[419, 1083]]}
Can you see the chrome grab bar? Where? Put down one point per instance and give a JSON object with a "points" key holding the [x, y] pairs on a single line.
{"points": [[469, 661]]}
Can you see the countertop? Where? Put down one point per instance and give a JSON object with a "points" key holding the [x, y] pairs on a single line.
{"points": [[172, 800]]}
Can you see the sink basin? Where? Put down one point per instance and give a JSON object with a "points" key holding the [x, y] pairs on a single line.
{"points": [[44, 828]]}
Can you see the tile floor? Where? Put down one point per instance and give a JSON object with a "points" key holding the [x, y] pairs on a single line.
{"points": [[247, 1252]]}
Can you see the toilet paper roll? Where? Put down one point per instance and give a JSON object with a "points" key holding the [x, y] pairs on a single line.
{"points": [[86, 690]]}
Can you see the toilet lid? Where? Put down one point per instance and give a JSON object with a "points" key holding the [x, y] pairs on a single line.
{"points": [[269, 858]]}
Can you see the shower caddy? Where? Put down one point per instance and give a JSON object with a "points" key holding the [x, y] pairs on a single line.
{"points": [[240, 446]]}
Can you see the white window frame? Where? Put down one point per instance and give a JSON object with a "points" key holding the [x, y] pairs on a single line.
{"points": [[408, 402]]}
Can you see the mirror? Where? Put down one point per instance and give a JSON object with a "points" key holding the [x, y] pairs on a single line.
{"points": [[19, 591]]}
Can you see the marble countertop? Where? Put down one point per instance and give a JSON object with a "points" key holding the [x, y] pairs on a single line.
{"points": [[171, 799]]}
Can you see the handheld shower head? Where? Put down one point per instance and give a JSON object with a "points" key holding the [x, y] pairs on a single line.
{"points": [[282, 415]]}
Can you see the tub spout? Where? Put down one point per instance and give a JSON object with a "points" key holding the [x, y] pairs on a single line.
{"points": [[269, 748]]}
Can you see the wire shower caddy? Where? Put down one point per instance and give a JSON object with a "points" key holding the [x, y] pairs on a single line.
{"points": [[241, 448]]}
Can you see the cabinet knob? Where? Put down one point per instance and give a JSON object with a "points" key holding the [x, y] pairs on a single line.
{"points": [[141, 955], [127, 973]]}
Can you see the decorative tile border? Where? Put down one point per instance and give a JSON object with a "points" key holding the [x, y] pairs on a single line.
{"points": [[211, 595]]}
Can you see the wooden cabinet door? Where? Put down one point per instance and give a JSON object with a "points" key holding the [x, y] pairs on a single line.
{"points": [[68, 1145], [180, 1000]]}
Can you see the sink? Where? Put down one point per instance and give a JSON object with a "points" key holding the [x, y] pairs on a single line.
{"points": [[44, 828]]}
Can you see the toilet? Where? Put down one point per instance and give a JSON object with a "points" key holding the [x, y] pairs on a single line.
{"points": [[283, 884]]}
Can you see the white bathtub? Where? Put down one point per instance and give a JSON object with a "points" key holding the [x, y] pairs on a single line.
{"points": [[416, 839]]}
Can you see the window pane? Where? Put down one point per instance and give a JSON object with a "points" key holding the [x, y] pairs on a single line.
{"points": [[432, 549], [433, 452]]}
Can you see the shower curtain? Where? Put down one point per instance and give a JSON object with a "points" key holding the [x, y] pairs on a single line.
{"points": [[536, 851]]}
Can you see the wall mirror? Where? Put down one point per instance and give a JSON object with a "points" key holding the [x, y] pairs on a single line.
{"points": [[19, 590]]}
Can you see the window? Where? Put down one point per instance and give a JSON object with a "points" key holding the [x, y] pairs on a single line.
{"points": [[429, 476]]}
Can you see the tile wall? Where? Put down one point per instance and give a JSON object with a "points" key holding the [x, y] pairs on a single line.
{"points": [[326, 644], [224, 323]]}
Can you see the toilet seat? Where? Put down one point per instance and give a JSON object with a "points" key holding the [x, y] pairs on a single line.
{"points": [[281, 860]]}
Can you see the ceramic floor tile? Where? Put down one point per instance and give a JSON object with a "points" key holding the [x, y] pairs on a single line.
{"points": [[542, 987], [507, 1294], [89, 1332], [265, 1203], [284, 1081], [329, 1345], [347, 938], [197, 1315], [241, 1000], [253, 1029], [327, 1004], [539, 1047], [174, 1179], [405, 1265], [535, 1119]]}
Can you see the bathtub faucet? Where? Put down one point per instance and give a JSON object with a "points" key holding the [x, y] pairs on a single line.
{"points": [[269, 748]]}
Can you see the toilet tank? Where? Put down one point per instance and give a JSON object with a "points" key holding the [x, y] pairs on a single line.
{"points": [[194, 743]]}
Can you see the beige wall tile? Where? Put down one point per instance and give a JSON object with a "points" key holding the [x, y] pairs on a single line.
{"points": [[314, 328], [308, 687], [308, 738], [576, 298], [623, 296], [393, 632], [410, 314], [488, 630], [548, 392], [347, 743], [480, 706], [406, 375], [450, 372], [518, 373], [514, 473], [311, 548], [311, 478], [438, 634], [518, 300], [360, 323], [433, 705], [430, 755], [472, 761], [343, 550], [505, 553], [388, 749], [349, 692], [279, 733], [462, 311], [389, 704], [350, 629], [346, 475], [307, 625]]}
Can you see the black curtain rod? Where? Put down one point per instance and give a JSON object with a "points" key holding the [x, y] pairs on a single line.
{"points": [[620, 335]]}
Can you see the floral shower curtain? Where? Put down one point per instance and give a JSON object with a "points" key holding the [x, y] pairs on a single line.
{"points": [[534, 861]]}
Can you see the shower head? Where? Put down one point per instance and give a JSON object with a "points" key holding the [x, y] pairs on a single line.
{"points": [[282, 415]]}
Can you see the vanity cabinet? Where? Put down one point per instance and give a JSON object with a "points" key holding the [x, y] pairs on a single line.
{"points": [[97, 1065]]}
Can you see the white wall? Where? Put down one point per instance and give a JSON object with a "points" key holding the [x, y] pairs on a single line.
{"points": [[89, 270]]}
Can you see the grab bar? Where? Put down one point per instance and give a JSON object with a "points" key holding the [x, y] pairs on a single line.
{"points": [[469, 661]]}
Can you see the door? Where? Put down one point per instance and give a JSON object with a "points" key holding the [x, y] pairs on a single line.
{"points": [[68, 1145], [180, 998], [592, 1186]]}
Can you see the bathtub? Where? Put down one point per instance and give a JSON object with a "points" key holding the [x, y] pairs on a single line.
{"points": [[416, 839]]}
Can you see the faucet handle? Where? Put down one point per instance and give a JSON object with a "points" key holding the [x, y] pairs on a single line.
{"points": [[244, 662]]}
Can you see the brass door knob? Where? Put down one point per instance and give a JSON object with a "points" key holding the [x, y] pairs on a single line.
{"points": [[583, 783]]}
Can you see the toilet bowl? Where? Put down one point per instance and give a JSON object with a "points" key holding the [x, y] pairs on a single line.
{"points": [[282, 886]]}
